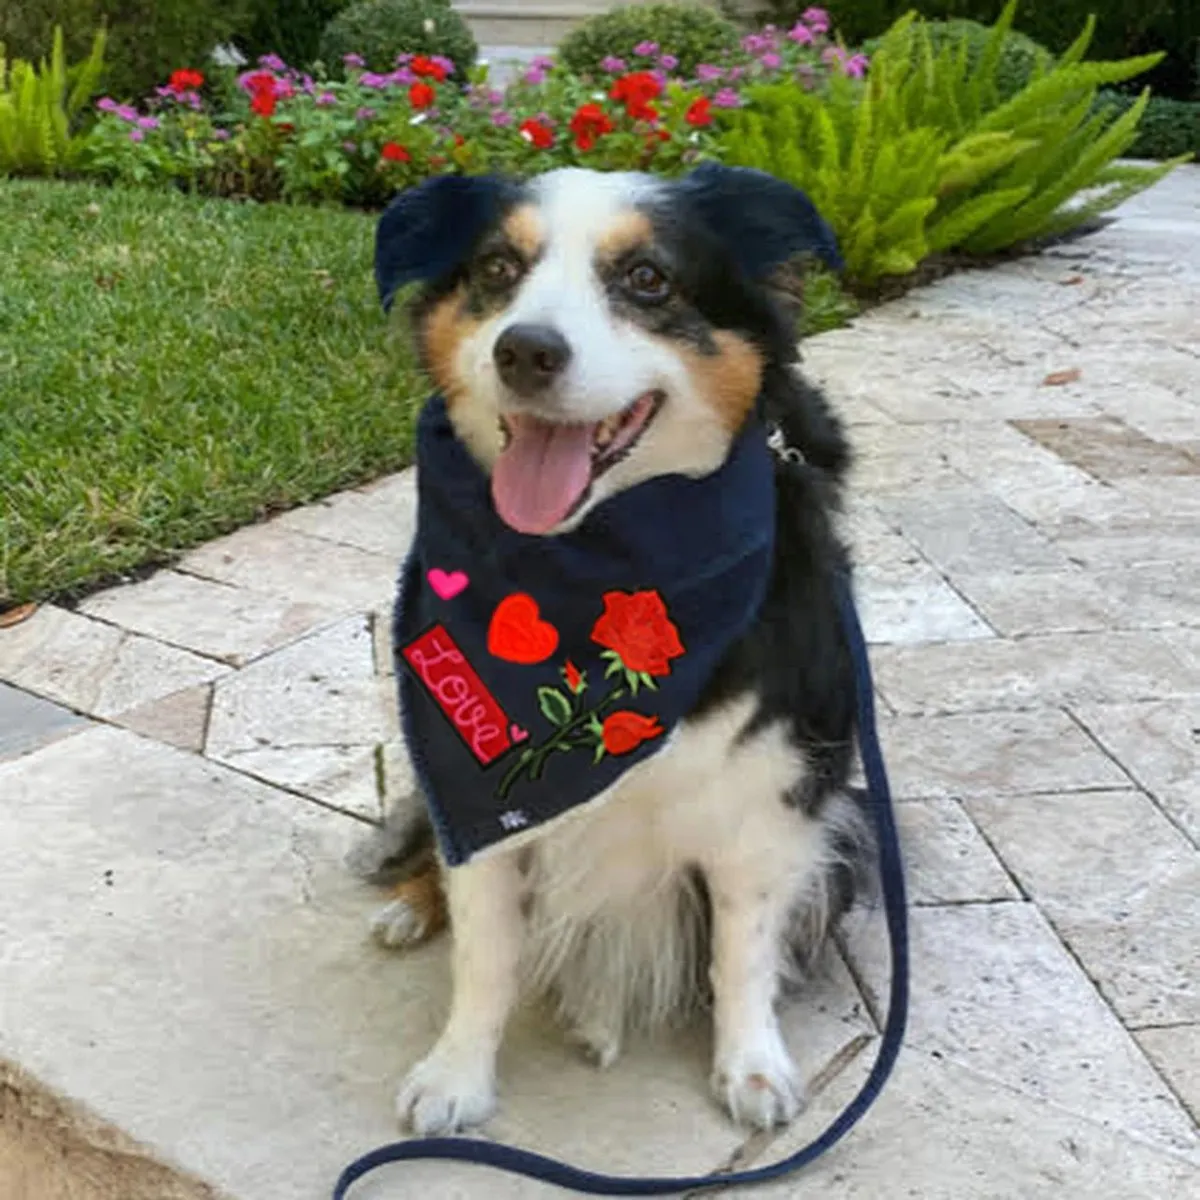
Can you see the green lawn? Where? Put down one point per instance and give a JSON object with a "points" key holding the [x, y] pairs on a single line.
{"points": [[172, 368]]}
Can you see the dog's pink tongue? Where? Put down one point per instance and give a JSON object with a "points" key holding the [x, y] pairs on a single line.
{"points": [[540, 476]]}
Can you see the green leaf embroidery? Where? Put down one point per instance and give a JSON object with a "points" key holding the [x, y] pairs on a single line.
{"points": [[556, 708]]}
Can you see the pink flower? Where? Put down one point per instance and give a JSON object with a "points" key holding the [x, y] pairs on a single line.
{"points": [[353, 60], [272, 62], [447, 65], [106, 104], [817, 18], [771, 61], [707, 73], [501, 119], [535, 76], [127, 113], [350, 147], [325, 100], [147, 122], [668, 62], [136, 135], [372, 79], [364, 114], [856, 65], [542, 63], [222, 135], [612, 65], [727, 98], [801, 34], [646, 49]]}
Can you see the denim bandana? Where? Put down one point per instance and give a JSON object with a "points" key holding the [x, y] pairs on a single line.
{"points": [[535, 671]]}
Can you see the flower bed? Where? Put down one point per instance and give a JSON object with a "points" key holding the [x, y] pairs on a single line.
{"points": [[278, 132]]}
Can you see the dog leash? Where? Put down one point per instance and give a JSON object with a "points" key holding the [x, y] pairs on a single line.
{"points": [[537, 1166]]}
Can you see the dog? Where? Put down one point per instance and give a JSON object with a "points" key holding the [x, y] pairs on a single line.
{"points": [[636, 319]]}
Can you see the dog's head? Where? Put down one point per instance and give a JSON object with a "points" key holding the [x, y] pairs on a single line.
{"points": [[590, 331]]}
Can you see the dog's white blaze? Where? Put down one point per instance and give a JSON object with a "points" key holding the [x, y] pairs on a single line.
{"points": [[613, 932]]}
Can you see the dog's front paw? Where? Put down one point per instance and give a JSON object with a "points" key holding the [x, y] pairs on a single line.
{"points": [[446, 1092], [598, 1042], [399, 924], [759, 1085]]}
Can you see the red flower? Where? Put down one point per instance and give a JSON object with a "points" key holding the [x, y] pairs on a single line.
{"points": [[590, 122], [537, 134], [635, 91], [262, 89], [626, 731], [573, 676], [394, 152], [459, 140], [421, 95], [185, 80], [286, 127], [699, 112], [636, 627], [426, 67], [263, 103]]}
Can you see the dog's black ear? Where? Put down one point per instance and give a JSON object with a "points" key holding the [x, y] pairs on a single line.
{"points": [[430, 229], [764, 221]]}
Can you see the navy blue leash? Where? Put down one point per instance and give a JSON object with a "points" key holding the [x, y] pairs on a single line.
{"points": [[891, 867]]}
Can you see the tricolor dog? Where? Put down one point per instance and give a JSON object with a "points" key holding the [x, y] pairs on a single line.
{"points": [[623, 679]]}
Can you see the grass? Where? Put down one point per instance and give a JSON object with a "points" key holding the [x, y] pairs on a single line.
{"points": [[172, 368]]}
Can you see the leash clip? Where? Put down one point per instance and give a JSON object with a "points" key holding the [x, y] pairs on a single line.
{"points": [[777, 443]]}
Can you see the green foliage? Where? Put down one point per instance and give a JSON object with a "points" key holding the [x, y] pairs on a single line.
{"points": [[38, 105], [692, 33], [193, 364], [1168, 128], [147, 39], [379, 30], [930, 156], [291, 29], [1021, 58], [1123, 28]]}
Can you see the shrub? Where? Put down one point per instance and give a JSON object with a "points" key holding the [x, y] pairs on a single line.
{"points": [[690, 32], [379, 30], [927, 156], [147, 39], [1168, 128], [291, 29], [38, 105], [1122, 28], [1021, 58]]}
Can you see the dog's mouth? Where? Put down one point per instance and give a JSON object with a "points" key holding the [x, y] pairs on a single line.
{"points": [[547, 468]]}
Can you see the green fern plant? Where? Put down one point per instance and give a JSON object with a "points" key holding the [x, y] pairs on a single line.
{"points": [[928, 155], [38, 106]]}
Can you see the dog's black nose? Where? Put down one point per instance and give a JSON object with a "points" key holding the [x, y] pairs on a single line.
{"points": [[530, 357]]}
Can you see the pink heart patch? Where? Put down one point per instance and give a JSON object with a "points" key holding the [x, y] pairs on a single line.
{"points": [[447, 584], [517, 733]]}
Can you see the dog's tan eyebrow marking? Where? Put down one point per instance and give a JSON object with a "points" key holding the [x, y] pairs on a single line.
{"points": [[443, 330], [628, 231], [523, 228], [727, 381]]}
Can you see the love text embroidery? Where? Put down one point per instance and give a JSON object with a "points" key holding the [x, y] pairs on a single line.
{"points": [[459, 692]]}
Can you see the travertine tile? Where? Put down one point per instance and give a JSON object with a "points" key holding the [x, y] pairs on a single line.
{"points": [[965, 529], [379, 519], [1121, 886], [995, 991], [926, 610], [179, 720], [1108, 449], [309, 717], [1175, 1051], [298, 568], [27, 722], [1157, 744], [1059, 669], [946, 859], [1071, 601], [210, 618], [94, 667], [981, 753]]}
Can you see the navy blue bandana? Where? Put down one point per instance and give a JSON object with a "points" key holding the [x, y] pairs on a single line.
{"points": [[535, 671]]}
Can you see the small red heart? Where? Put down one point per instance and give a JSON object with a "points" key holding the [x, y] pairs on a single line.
{"points": [[518, 634]]}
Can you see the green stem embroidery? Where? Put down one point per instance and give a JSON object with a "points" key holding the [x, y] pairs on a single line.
{"points": [[534, 757]]}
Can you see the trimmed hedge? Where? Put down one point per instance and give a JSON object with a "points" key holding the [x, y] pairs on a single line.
{"points": [[692, 33], [379, 30], [1168, 128]]}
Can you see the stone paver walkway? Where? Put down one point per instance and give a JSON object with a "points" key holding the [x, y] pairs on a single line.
{"points": [[185, 761]]}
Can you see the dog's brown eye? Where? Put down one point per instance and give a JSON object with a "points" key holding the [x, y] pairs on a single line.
{"points": [[498, 271], [647, 282]]}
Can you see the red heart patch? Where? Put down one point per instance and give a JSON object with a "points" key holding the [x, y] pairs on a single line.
{"points": [[518, 634]]}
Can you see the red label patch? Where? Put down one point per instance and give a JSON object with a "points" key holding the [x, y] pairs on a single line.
{"points": [[452, 683]]}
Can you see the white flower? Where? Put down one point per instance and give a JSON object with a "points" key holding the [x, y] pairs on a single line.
{"points": [[599, 96], [418, 119], [429, 25]]}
